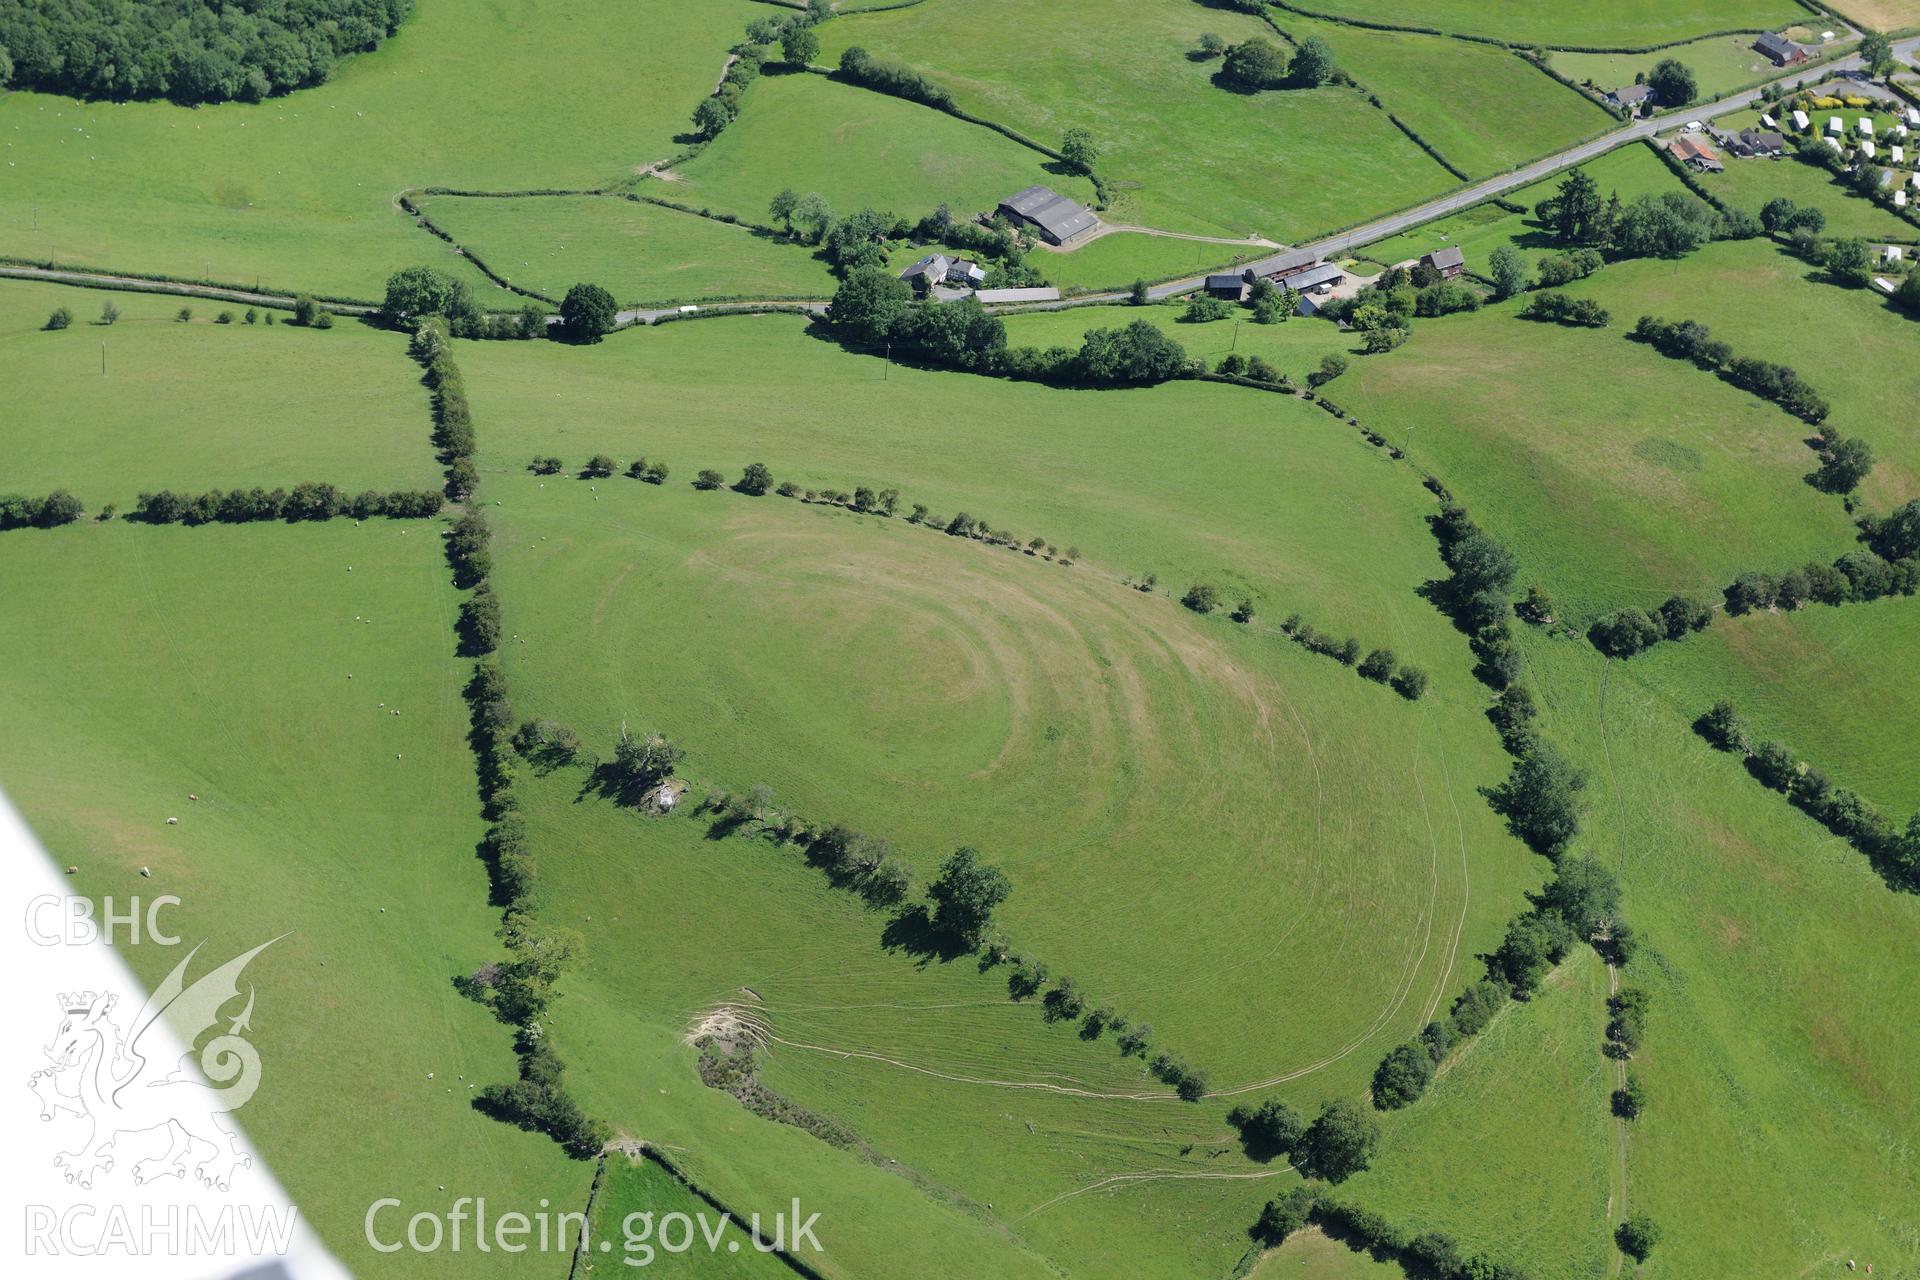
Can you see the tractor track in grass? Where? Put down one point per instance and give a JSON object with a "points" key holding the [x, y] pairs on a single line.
{"points": [[1155, 1175], [1405, 989], [1617, 1174]]}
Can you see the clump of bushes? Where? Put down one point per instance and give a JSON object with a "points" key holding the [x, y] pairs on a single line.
{"points": [[1564, 268], [1201, 597], [1625, 632], [1558, 308], [57, 508], [1271, 1129], [1637, 1236]]}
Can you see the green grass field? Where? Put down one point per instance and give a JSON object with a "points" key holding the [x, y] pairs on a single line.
{"points": [[1629, 171], [859, 149], [1751, 183], [1283, 868], [1720, 64], [1117, 259], [1623, 24], [823, 417], [201, 405], [596, 580], [216, 661], [641, 253], [1802, 678], [297, 192], [1312, 1253], [1767, 303], [1534, 1085], [1776, 1056], [1180, 153], [640, 1187], [1483, 108], [739, 922], [1295, 347], [1068, 705], [1608, 499]]}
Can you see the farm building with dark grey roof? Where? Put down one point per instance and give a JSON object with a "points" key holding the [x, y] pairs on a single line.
{"points": [[1054, 216], [1780, 49]]}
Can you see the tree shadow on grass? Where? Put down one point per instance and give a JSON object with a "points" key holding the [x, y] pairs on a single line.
{"points": [[912, 930], [607, 781]]}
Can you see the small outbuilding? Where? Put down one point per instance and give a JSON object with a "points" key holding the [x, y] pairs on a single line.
{"points": [[1801, 121], [1233, 288], [1836, 126], [1865, 126], [1868, 150], [1324, 276], [1884, 285], [989, 297]]}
